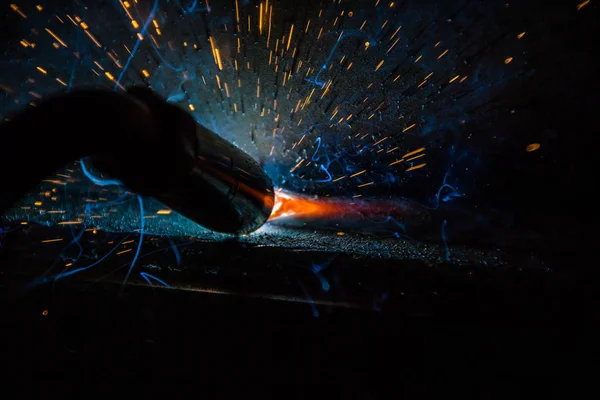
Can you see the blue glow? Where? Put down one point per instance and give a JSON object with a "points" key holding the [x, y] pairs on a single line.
{"points": [[445, 240], [137, 44], [156, 50], [175, 252], [310, 301], [164, 61], [96, 180], [78, 270], [166, 248], [316, 269], [451, 192], [344, 35], [379, 300], [192, 7], [329, 177], [318, 142], [147, 277], [140, 241]]}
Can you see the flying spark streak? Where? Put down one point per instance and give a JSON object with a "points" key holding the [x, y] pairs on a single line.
{"points": [[416, 167]]}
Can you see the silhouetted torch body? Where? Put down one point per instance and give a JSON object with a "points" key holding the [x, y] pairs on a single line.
{"points": [[154, 148]]}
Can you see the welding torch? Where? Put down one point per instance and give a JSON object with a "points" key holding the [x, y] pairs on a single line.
{"points": [[154, 148]]}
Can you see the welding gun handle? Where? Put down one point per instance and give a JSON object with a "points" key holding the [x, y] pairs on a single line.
{"points": [[64, 128], [154, 148], [201, 175]]}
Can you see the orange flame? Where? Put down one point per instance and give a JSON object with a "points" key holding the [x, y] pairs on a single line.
{"points": [[289, 205]]}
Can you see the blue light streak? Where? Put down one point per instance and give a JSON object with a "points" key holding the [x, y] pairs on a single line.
{"points": [[96, 180], [147, 277], [140, 242], [137, 45]]}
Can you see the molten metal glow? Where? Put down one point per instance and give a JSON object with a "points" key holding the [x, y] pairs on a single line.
{"points": [[343, 211], [292, 205]]}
